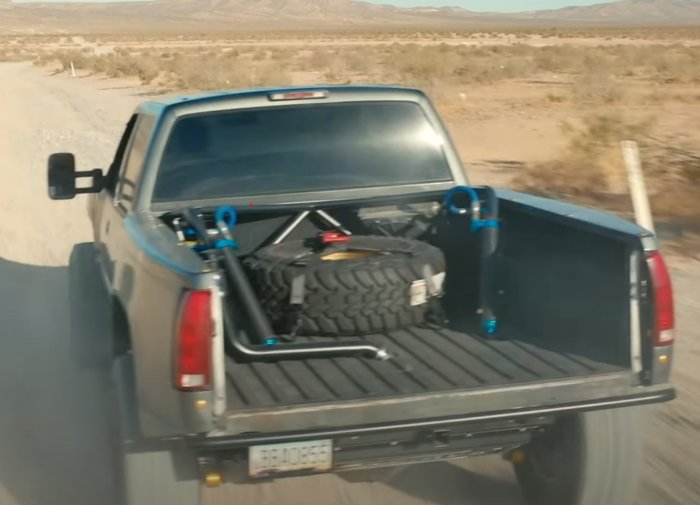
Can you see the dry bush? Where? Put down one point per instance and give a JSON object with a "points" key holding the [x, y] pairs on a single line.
{"points": [[591, 162], [414, 64], [259, 55], [555, 98], [359, 59], [320, 59], [598, 88], [145, 68], [598, 75], [213, 74], [592, 167], [79, 60], [195, 34], [282, 54], [16, 53], [595, 69], [673, 172], [112, 65]]}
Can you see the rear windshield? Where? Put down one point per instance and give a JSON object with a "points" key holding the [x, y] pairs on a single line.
{"points": [[296, 149]]}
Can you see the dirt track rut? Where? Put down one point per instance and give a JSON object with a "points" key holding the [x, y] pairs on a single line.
{"points": [[52, 440]]}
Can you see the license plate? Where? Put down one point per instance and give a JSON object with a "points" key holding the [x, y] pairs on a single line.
{"points": [[266, 460]]}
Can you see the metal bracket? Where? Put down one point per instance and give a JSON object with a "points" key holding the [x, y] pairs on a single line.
{"points": [[296, 304]]}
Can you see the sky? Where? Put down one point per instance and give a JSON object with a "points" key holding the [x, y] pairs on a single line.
{"points": [[475, 5]]}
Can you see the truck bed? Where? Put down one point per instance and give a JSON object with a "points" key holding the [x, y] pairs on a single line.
{"points": [[423, 361]]}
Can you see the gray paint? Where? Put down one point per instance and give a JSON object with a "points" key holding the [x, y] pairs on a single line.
{"points": [[147, 270], [506, 400], [661, 373], [582, 217]]}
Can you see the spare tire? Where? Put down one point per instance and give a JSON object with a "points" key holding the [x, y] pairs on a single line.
{"points": [[368, 285]]}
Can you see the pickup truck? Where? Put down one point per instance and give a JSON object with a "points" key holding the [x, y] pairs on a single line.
{"points": [[301, 280]]}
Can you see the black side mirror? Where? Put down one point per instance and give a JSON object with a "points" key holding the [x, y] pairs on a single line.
{"points": [[62, 177]]}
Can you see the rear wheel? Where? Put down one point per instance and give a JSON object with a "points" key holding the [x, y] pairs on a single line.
{"points": [[594, 458], [150, 472], [159, 477], [90, 305]]}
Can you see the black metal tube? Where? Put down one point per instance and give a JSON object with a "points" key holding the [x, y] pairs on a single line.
{"points": [[261, 328], [239, 282], [288, 352], [488, 249], [491, 199]]}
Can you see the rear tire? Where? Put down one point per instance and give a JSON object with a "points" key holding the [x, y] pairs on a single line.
{"points": [[90, 306], [150, 472], [160, 477], [594, 458]]}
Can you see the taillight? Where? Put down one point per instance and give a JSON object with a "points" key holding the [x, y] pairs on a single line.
{"points": [[662, 292], [194, 342]]}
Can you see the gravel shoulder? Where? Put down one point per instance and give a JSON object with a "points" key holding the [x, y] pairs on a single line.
{"points": [[52, 438]]}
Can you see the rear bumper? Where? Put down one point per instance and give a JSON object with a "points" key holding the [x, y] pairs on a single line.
{"points": [[434, 405], [506, 418]]}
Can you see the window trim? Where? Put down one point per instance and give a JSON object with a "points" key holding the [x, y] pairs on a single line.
{"points": [[118, 160], [119, 201], [125, 160], [430, 120]]}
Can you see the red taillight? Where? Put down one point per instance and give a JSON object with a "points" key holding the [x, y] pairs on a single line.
{"points": [[194, 342], [662, 292]]}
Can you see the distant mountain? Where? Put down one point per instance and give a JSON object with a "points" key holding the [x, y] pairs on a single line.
{"points": [[344, 12], [625, 11], [336, 10], [242, 14]]}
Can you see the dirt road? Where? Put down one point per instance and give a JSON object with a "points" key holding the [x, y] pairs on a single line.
{"points": [[52, 437]]}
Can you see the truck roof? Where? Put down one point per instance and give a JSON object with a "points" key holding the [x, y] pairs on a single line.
{"points": [[159, 105]]}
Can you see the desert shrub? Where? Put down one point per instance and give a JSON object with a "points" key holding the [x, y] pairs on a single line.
{"points": [[598, 88], [591, 161], [215, 73]]}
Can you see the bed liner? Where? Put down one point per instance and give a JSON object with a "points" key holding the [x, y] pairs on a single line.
{"points": [[425, 360]]}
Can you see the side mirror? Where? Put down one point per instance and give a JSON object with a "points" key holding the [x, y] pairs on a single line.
{"points": [[62, 177]]}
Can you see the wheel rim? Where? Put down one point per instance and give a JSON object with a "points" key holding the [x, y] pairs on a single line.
{"points": [[348, 255]]}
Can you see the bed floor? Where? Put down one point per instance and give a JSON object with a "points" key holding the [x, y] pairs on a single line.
{"points": [[423, 361]]}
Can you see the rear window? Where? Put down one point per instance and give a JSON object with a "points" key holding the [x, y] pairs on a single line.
{"points": [[296, 149]]}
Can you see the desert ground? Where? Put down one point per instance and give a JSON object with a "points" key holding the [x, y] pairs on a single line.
{"points": [[543, 112]]}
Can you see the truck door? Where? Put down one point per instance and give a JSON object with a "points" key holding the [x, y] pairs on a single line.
{"points": [[102, 202], [110, 235]]}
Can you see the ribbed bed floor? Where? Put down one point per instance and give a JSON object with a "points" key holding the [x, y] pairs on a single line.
{"points": [[424, 361]]}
